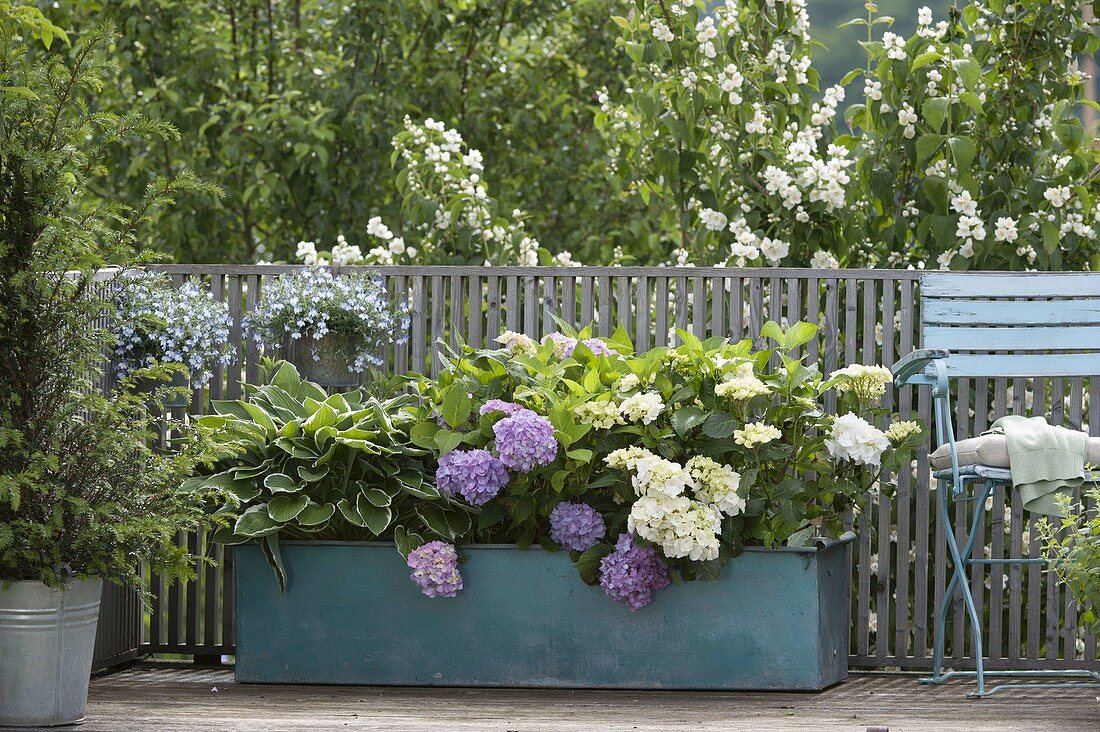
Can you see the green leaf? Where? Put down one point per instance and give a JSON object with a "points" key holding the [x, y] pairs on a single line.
{"points": [[773, 331], [719, 425], [283, 508], [274, 557], [457, 406], [315, 514], [255, 522], [686, 419], [580, 455], [969, 72], [349, 512], [260, 417], [963, 151], [325, 416], [376, 496], [934, 112], [312, 476], [377, 518], [799, 334], [280, 483], [588, 563], [491, 514], [927, 145], [924, 59]]}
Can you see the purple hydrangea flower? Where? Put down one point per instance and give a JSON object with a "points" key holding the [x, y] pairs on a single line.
{"points": [[435, 569], [525, 440], [598, 347], [499, 405], [563, 344], [576, 526], [631, 574], [475, 474]]}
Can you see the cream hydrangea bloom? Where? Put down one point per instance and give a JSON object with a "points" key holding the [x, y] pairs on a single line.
{"points": [[741, 384], [629, 382], [716, 485], [866, 382], [657, 475], [626, 458], [682, 527], [755, 434], [601, 415], [516, 342], [854, 438], [645, 407], [900, 431]]}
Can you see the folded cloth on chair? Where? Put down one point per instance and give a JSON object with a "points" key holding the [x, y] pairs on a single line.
{"points": [[1045, 460]]}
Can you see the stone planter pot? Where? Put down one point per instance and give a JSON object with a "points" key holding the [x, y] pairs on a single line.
{"points": [[776, 619], [47, 637], [330, 368]]}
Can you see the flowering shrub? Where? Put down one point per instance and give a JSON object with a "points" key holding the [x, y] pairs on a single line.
{"points": [[313, 303], [161, 324], [965, 151], [645, 466], [448, 214], [1073, 548]]}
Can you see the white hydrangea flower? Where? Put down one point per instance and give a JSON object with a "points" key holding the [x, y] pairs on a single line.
{"points": [[628, 382], [601, 415], [626, 458], [755, 434], [682, 527], [644, 407], [854, 438], [716, 485], [517, 342], [866, 382], [902, 430], [656, 475], [741, 384]]}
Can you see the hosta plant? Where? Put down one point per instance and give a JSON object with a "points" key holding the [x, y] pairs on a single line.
{"points": [[304, 464]]}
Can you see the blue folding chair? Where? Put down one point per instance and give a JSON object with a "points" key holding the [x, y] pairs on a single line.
{"points": [[994, 326]]}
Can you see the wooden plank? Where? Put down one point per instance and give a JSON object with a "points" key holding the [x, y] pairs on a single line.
{"points": [[682, 303], [234, 371], [606, 308], [492, 309], [793, 288], [550, 308], [718, 325], [569, 300], [1002, 365], [1048, 313], [864, 580], [475, 312], [419, 317], [699, 307], [883, 639], [622, 303], [643, 308], [660, 311], [401, 350], [532, 307], [252, 347], [737, 308], [903, 501], [438, 323], [997, 284], [512, 305], [183, 700], [588, 306], [456, 325], [1075, 338], [756, 309]]}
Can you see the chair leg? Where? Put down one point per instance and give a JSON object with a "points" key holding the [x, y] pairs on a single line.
{"points": [[941, 611]]}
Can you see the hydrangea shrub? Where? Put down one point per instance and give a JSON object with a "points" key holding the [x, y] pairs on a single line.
{"points": [[645, 466]]}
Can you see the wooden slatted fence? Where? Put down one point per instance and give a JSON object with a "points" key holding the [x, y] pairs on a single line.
{"points": [[900, 567]]}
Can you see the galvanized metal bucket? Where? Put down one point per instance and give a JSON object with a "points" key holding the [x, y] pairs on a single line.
{"points": [[323, 361], [46, 641]]}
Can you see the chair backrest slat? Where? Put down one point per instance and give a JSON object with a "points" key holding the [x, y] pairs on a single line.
{"points": [[1014, 325]]}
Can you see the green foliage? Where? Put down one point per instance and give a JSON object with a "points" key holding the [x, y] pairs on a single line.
{"points": [[304, 464], [1073, 548], [81, 490], [291, 107]]}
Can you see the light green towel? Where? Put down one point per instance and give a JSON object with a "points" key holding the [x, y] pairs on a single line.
{"points": [[1045, 460]]}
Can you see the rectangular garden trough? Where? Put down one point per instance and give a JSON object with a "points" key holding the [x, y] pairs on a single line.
{"points": [[776, 619]]}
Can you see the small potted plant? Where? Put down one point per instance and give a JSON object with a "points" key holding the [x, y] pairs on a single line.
{"points": [[331, 327], [157, 324]]}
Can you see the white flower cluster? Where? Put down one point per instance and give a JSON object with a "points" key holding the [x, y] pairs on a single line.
{"points": [[160, 324], [601, 415], [900, 431], [517, 342], [755, 434], [683, 525], [866, 382], [854, 438], [644, 407], [740, 384]]}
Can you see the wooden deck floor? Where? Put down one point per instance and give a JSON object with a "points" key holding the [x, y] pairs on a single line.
{"points": [[169, 699]]}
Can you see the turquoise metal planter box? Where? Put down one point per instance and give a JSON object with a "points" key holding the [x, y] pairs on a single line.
{"points": [[777, 619]]}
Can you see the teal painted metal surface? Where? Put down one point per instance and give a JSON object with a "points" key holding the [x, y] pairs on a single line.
{"points": [[775, 620]]}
